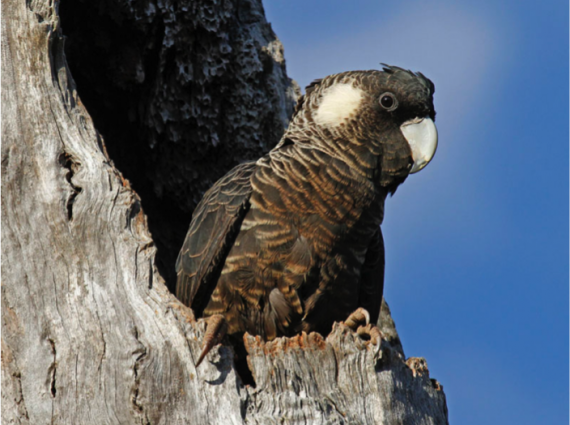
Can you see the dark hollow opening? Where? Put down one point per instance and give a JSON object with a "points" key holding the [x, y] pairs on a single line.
{"points": [[114, 62], [181, 93]]}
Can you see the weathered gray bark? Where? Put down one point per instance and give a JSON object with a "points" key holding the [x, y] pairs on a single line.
{"points": [[90, 332]]}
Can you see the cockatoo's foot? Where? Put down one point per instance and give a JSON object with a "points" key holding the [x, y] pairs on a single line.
{"points": [[359, 321], [370, 333], [358, 317], [216, 329]]}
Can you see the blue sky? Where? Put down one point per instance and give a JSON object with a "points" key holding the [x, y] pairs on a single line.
{"points": [[476, 243]]}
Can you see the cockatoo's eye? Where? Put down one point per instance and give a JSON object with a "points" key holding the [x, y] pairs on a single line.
{"points": [[388, 101]]}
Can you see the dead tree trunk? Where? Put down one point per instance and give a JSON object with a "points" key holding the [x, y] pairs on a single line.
{"points": [[181, 91]]}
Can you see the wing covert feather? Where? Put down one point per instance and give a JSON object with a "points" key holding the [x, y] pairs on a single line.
{"points": [[214, 227]]}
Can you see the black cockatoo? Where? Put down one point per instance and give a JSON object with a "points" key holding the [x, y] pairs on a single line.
{"points": [[292, 242]]}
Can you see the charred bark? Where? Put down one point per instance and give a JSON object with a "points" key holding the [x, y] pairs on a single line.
{"points": [[172, 94]]}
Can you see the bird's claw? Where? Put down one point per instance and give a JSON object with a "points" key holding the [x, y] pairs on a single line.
{"points": [[370, 332], [216, 328], [359, 322], [358, 317]]}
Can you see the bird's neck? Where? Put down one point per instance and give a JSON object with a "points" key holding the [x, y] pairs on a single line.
{"points": [[361, 154], [344, 186]]}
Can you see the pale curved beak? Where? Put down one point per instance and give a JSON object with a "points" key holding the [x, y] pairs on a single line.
{"points": [[421, 135]]}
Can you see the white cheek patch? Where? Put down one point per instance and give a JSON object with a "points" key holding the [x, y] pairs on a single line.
{"points": [[338, 103]]}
